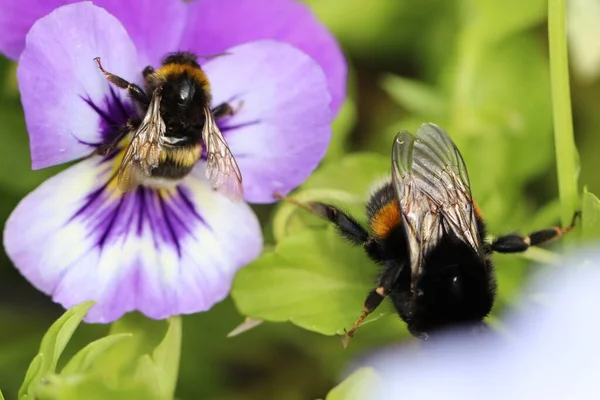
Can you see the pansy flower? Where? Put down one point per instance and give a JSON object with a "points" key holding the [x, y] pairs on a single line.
{"points": [[159, 251]]}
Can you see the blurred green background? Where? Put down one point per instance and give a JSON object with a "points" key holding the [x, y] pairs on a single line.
{"points": [[477, 68]]}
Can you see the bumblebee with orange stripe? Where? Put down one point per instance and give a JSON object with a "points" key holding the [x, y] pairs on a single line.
{"points": [[429, 237], [178, 123]]}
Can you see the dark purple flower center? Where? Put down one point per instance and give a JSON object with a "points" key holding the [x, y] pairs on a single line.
{"points": [[115, 113], [165, 215]]}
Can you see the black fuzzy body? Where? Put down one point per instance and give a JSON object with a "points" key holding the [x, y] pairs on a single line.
{"points": [[456, 286], [185, 94]]}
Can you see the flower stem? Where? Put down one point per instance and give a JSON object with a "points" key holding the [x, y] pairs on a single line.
{"points": [[566, 153]]}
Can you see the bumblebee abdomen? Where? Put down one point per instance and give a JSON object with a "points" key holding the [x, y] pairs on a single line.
{"points": [[177, 162], [387, 219], [383, 210]]}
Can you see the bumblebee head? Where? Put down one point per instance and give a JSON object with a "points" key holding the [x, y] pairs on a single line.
{"points": [[185, 87], [455, 287]]}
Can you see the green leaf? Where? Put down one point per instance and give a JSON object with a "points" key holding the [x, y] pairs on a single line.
{"points": [[147, 374], [590, 215], [1, 395], [148, 361], [287, 221], [583, 32], [314, 279], [417, 97], [122, 358], [33, 374], [331, 184], [52, 346], [501, 117], [356, 386], [342, 127], [88, 387], [166, 356], [84, 359], [59, 334], [358, 27], [364, 168], [90, 373], [5, 77], [14, 153], [567, 160], [493, 20]]}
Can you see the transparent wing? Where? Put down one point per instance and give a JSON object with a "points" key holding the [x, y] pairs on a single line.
{"points": [[143, 153], [432, 184], [222, 170]]}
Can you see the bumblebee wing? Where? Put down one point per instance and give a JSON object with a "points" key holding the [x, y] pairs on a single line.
{"points": [[143, 152], [433, 188], [222, 170], [127, 177]]}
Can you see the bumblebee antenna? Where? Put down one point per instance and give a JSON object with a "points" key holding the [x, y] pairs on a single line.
{"points": [[211, 56]]}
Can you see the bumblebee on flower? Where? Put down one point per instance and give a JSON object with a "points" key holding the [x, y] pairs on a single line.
{"points": [[171, 244]]}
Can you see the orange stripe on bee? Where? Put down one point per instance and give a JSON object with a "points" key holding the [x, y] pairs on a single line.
{"points": [[477, 210], [386, 219], [195, 73]]}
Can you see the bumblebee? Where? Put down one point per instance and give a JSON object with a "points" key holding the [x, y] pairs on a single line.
{"points": [[429, 237], [177, 125]]}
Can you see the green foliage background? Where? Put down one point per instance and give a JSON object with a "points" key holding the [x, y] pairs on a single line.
{"points": [[479, 69]]}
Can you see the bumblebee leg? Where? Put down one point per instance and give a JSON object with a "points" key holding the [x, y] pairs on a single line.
{"points": [[372, 301], [347, 226], [106, 148], [351, 230], [518, 243], [387, 280], [225, 109], [134, 90]]}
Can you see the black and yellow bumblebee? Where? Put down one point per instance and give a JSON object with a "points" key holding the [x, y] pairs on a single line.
{"points": [[177, 125], [429, 237]]}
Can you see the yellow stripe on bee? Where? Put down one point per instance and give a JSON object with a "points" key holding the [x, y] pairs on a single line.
{"points": [[386, 219], [173, 69], [184, 157], [181, 156]]}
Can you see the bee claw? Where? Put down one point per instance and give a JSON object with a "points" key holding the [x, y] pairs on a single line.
{"points": [[239, 107], [104, 150], [99, 63], [346, 338]]}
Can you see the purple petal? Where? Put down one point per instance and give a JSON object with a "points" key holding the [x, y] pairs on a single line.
{"points": [[161, 253], [215, 25], [283, 127], [155, 27], [16, 19], [62, 89]]}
